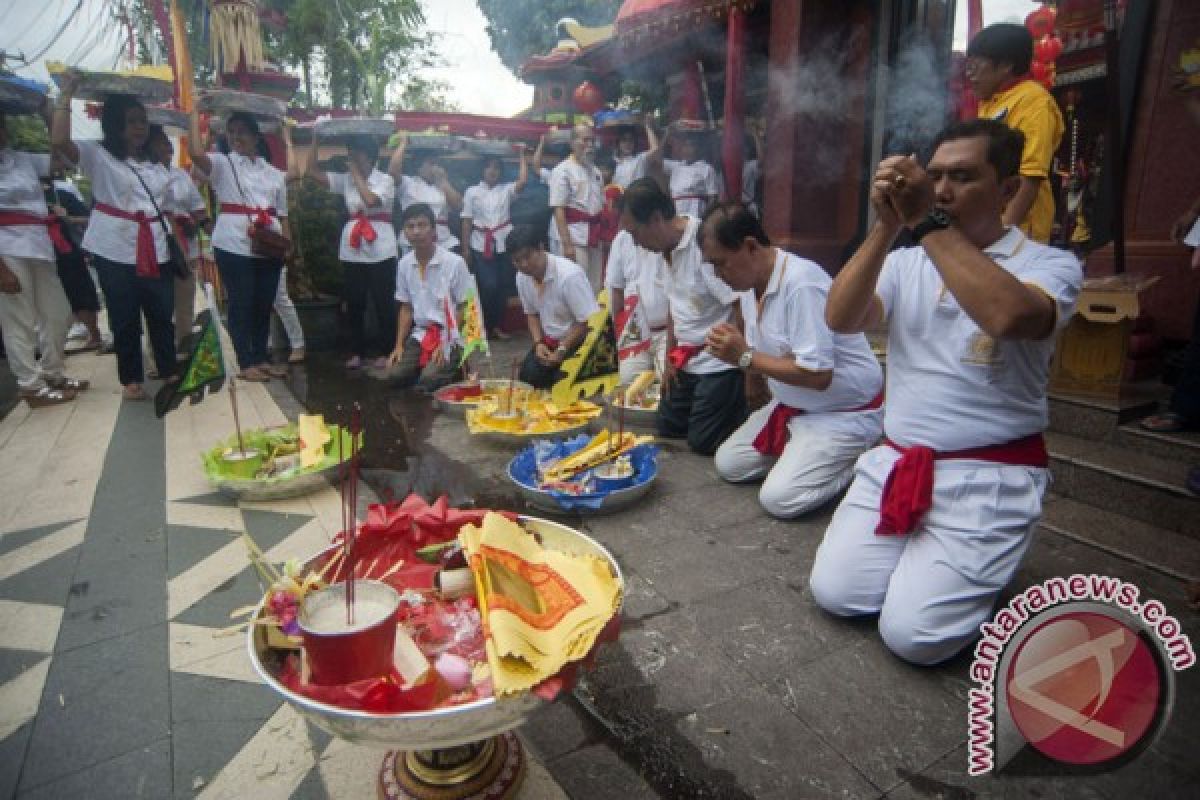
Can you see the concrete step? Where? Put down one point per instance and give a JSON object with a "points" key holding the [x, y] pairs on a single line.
{"points": [[1181, 446], [1098, 418], [1165, 551], [1117, 478]]}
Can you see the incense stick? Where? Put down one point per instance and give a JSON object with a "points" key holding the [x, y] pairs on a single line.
{"points": [[237, 425], [512, 387]]}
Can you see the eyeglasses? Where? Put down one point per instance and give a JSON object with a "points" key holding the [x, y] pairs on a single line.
{"points": [[975, 65]]}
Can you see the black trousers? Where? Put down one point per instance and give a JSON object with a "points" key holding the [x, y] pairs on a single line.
{"points": [[704, 409], [537, 374], [250, 287], [129, 298], [373, 284]]}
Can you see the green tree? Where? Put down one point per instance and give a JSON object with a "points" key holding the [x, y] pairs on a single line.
{"points": [[28, 133], [522, 28]]}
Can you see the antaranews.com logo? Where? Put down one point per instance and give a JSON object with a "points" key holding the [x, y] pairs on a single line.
{"points": [[1079, 668]]}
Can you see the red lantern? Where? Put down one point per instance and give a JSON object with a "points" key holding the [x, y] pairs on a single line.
{"points": [[1041, 22], [1039, 70], [588, 98], [1048, 49]]}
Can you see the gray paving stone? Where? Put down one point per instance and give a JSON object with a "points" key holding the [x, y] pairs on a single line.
{"points": [[144, 772], [947, 779], [269, 528], [114, 700], [13, 662], [596, 773], [559, 728], [12, 757], [196, 698], [213, 610], [311, 788], [113, 597], [48, 583], [641, 601], [11, 540], [202, 748], [188, 546], [216, 499]]}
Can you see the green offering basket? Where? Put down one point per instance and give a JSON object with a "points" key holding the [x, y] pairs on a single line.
{"points": [[290, 483]]}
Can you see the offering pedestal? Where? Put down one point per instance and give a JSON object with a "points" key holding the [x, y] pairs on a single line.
{"points": [[491, 769]]}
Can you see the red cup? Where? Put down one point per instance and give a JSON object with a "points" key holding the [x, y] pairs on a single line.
{"points": [[338, 653]]}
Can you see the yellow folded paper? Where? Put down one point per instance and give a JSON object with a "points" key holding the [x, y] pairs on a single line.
{"points": [[604, 446], [313, 438], [541, 608]]}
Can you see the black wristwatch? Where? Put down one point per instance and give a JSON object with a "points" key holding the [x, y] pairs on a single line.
{"points": [[936, 220]]}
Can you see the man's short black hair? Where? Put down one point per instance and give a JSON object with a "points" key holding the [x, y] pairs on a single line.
{"points": [[1004, 148], [1004, 43], [731, 224], [644, 196], [526, 236], [418, 210]]}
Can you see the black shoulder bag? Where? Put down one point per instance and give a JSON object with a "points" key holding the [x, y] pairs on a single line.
{"points": [[175, 256], [264, 242]]}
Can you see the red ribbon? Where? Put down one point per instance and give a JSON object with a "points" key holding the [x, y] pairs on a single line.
{"points": [[53, 226], [260, 217], [773, 438], [489, 238], [681, 354], [550, 342], [574, 215], [147, 259], [364, 230], [908, 490]]}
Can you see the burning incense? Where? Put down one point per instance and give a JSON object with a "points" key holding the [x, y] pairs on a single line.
{"points": [[237, 425], [512, 387]]}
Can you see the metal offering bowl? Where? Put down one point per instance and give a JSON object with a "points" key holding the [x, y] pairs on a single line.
{"points": [[635, 416], [458, 408], [305, 483], [354, 126], [614, 501], [442, 727]]}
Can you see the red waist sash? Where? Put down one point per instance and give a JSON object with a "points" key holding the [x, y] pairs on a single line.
{"points": [[773, 437], [363, 230], [489, 237], [681, 354], [908, 490], [430, 342], [51, 223], [146, 261], [259, 216], [574, 215]]}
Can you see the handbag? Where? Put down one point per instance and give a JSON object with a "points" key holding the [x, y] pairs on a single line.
{"points": [[264, 242], [175, 256]]}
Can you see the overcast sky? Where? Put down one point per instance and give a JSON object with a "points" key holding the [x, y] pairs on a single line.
{"points": [[479, 83]]}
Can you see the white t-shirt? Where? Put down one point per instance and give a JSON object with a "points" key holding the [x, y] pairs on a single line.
{"points": [[792, 325], [383, 187], [20, 190], [413, 190], [114, 183], [564, 298], [262, 187], [949, 385], [182, 198], [574, 185], [488, 207], [691, 185], [446, 276], [628, 169], [638, 271], [698, 299]]}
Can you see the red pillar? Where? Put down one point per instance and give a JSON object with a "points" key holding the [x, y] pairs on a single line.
{"points": [[732, 148]]}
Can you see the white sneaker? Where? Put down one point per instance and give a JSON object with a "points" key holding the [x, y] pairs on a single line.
{"points": [[77, 331]]}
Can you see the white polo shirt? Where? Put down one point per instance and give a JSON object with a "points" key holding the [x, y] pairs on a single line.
{"points": [[20, 190], [791, 324], [244, 181], [564, 298], [691, 185], [183, 198], [114, 183], [488, 207], [628, 169], [949, 385], [698, 299], [412, 190], [638, 271], [446, 276], [383, 187], [575, 185]]}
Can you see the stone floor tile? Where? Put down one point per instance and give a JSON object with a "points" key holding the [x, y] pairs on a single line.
{"points": [[140, 774], [595, 773]]}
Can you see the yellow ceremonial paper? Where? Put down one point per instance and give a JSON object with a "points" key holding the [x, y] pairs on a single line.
{"points": [[313, 438]]}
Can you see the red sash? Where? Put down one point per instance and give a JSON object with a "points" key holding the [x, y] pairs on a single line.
{"points": [[259, 216], [908, 490], [550, 342], [430, 342], [364, 230], [147, 258], [681, 354], [11, 218], [574, 215], [489, 237], [773, 437]]}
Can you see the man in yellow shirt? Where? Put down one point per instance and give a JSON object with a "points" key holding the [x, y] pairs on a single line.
{"points": [[998, 60]]}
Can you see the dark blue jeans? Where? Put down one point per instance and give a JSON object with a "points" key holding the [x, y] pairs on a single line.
{"points": [[129, 298], [704, 409], [496, 282], [250, 286]]}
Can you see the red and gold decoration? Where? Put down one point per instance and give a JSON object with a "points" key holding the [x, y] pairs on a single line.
{"points": [[1047, 47]]}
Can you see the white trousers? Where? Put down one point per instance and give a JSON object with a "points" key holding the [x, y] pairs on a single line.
{"points": [[652, 358], [592, 261], [934, 587], [816, 464], [38, 316], [287, 314]]}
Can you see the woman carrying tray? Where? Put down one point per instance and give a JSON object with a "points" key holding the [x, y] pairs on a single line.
{"points": [[693, 181], [125, 235], [31, 297], [486, 221], [251, 194], [429, 186], [368, 246]]}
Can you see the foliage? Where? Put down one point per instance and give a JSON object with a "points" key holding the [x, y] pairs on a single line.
{"points": [[316, 217], [522, 28], [28, 133]]}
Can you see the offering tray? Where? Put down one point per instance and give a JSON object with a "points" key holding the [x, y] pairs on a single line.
{"points": [[459, 751], [20, 96], [302, 482], [354, 126], [227, 101], [168, 117], [444, 400], [636, 416], [148, 84], [492, 147], [488, 424], [439, 143], [522, 471]]}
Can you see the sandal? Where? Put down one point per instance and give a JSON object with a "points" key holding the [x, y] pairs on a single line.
{"points": [[253, 375], [273, 370], [297, 356], [1166, 422], [47, 396], [134, 391], [74, 384]]}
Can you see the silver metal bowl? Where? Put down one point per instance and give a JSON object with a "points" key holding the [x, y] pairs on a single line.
{"points": [[228, 101], [459, 409], [97, 85], [443, 727], [613, 502], [168, 117], [255, 490], [635, 417], [354, 126], [510, 440]]}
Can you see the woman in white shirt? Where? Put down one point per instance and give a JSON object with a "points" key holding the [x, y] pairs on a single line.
{"points": [[124, 235], [368, 247], [692, 180], [251, 193], [429, 186], [486, 221], [31, 296]]}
